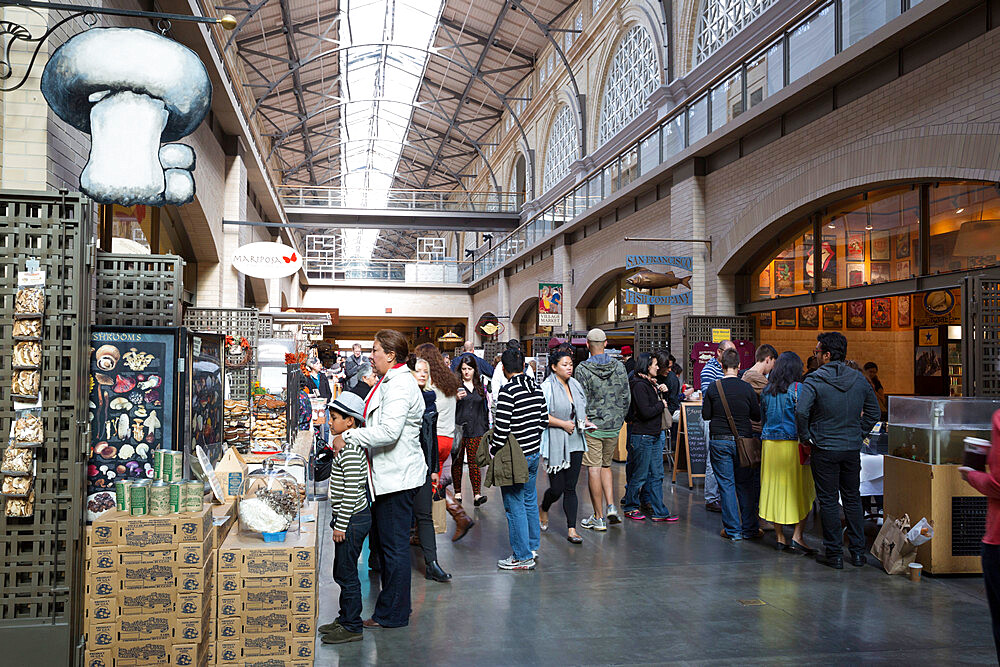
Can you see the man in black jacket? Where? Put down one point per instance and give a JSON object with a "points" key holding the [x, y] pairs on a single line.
{"points": [[836, 409]]}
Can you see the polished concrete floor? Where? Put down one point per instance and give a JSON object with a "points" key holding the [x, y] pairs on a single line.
{"points": [[645, 593]]}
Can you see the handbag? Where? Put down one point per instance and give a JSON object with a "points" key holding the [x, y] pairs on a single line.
{"points": [[805, 451], [749, 449]]}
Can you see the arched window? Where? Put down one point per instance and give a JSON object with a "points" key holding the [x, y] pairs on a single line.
{"points": [[720, 20], [633, 77], [562, 149]]}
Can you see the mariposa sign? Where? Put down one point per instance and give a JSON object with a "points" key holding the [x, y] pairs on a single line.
{"points": [[267, 260]]}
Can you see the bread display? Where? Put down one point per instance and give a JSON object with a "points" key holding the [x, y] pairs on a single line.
{"points": [[27, 329], [29, 301], [27, 354], [17, 461]]}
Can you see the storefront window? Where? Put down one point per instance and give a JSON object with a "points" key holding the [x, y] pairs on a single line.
{"points": [[964, 226], [784, 273], [870, 239]]}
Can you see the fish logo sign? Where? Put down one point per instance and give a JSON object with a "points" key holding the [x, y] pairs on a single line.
{"points": [[647, 279]]}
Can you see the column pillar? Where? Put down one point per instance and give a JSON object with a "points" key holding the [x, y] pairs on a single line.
{"points": [[503, 304], [562, 272], [687, 221], [234, 208]]}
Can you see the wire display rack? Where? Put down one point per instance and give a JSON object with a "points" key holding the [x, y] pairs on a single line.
{"points": [[41, 556]]}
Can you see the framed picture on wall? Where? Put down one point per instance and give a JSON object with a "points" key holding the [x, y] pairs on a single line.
{"points": [[766, 319], [784, 276], [785, 318], [880, 273], [764, 282], [809, 317], [855, 274], [879, 246], [927, 362], [903, 269], [903, 246], [833, 316], [903, 311], [856, 247], [857, 315], [881, 313]]}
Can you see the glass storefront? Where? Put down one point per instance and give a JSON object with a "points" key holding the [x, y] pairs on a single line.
{"points": [[874, 237]]}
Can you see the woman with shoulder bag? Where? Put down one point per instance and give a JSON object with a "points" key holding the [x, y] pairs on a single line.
{"points": [[786, 484], [562, 442], [737, 485]]}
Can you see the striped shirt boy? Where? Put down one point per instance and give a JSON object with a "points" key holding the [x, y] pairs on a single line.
{"points": [[348, 485], [521, 411]]}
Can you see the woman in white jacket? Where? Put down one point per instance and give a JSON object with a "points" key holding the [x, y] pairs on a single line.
{"points": [[391, 436]]}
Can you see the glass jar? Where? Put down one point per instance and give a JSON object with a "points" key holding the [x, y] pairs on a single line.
{"points": [[269, 503]]}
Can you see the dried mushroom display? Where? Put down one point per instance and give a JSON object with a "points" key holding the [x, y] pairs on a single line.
{"points": [[29, 301], [25, 384], [27, 354], [21, 507], [27, 329], [28, 429], [17, 461], [15, 486]]}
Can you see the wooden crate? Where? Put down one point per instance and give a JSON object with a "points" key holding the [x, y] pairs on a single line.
{"points": [[955, 509]]}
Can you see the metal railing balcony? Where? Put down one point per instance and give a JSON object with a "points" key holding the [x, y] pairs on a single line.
{"points": [[406, 271], [310, 196]]}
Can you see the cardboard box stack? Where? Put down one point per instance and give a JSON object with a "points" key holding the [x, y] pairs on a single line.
{"points": [[267, 599], [150, 587]]}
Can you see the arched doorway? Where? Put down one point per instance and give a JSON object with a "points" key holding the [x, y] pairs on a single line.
{"points": [[520, 180]]}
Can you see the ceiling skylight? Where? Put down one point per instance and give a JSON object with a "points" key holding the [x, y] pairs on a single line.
{"points": [[380, 83]]}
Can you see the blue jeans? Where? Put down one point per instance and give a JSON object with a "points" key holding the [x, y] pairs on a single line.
{"points": [[646, 483], [711, 484], [345, 569], [520, 502], [739, 489]]}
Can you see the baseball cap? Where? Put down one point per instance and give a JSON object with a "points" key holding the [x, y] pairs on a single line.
{"points": [[597, 336], [349, 404], [626, 349]]}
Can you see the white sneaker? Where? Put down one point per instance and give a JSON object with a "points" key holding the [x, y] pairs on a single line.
{"points": [[593, 523], [511, 563], [612, 514], [534, 554]]}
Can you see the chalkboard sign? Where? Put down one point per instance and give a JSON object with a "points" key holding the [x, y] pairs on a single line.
{"points": [[691, 443]]}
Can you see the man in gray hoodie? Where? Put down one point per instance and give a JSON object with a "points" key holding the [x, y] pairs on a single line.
{"points": [[836, 409], [605, 384]]}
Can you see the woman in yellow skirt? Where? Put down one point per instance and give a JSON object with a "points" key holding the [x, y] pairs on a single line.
{"points": [[786, 486]]}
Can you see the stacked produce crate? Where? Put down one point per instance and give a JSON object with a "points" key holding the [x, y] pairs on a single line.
{"points": [[267, 599], [150, 587]]}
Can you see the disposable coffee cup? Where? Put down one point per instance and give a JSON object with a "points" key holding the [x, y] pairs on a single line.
{"points": [[976, 451], [915, 570]]}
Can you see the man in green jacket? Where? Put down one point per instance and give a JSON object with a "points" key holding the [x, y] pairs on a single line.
{"points": [[605, 384]]}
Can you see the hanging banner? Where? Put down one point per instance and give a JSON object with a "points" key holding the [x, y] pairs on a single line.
{"points": [[267, 260], [634, 298], [550, 304]]}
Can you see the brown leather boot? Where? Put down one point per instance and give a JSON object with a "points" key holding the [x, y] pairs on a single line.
{"points": [[462, 520]]}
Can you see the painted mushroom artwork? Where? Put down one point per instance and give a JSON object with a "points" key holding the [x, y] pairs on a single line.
{"points": [[134, 92]]}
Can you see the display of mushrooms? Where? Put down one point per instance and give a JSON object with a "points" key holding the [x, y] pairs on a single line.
{"points": [[131, 90]]}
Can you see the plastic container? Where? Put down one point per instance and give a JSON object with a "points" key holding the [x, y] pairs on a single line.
{"points": [[932, 430], [275, 537]]}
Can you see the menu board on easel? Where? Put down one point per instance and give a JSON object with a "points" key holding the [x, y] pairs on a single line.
{"points": [[692, 447]]}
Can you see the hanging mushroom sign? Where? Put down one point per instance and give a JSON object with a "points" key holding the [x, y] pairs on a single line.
{"points": [[131, 90]]}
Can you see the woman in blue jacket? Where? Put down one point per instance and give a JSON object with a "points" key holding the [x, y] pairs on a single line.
{"points": [[786, 485]]}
